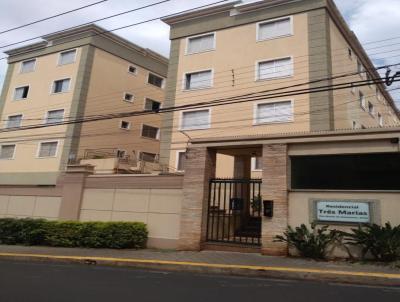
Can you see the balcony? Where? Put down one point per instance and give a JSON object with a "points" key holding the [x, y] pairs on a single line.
{"points": [[114, 161]]}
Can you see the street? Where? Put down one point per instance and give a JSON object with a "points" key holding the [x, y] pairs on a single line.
{"points": [[34, 282]]}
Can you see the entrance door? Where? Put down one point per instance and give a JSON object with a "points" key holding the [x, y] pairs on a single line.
{"points": [[234, 211]]}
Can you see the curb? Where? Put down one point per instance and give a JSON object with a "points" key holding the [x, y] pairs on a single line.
{"points": [[365, 278]]}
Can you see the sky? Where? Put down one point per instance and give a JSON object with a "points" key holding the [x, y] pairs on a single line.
{"points": [[371, 20]]}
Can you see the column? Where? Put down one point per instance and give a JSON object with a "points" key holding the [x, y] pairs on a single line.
{"points": [[73, 186], [199, 169], [275, 187]]}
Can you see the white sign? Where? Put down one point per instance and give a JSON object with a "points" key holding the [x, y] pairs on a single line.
{"points": [[343, 211]]}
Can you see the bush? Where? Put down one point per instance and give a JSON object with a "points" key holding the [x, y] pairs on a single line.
{"points": [[383, 242], [310, 244], [118, 235]]}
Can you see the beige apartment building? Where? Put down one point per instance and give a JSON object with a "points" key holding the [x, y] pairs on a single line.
{"points": [[79, 73], [255, 49]]}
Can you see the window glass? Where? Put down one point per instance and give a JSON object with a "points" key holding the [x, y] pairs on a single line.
{"points": [[195, 80], [181, 161], [125, 125], [61, 86], [21, 93], [150, 132], [128, 97], [150, 157], [152, 105], [155, 80], [132, 69]]}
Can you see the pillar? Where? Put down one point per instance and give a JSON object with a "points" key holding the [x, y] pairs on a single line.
{"points": [[73, 186], [199, 169], [275, 187]]}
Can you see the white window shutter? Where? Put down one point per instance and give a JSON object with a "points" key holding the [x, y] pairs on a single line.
{"points": [[195, 119], [202, 43], [273, 29]]}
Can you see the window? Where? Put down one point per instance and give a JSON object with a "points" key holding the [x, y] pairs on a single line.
{"points": [[61, 86], [277, 112], [146, 156], [150, 132], [353, 89], [371, 109], [125, 125], [198, 80], [355, 125], [360, 68], [274, 29], [200, 43], [350, 53], [155, 80], [369, 79], [197, 119], [67, 57], [121, 153], [128, 97], [362, 100], [180, 161], [55, 116], [132, 69], [21, 93], [374, 171], [378, 94], [48, 149], [256, 163], [28, 66], [14, 121], [380, 119], [152, 105], [7, 151], [274, 69]]}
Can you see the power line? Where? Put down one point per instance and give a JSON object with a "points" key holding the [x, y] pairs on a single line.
{"points": [[238, 99], [52, 17], [129, 25], [86, 23]]}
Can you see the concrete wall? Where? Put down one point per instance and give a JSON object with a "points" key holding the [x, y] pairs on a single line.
{"points": [[109, 81], [158, 208], [237, 119], [30, 206], [40, 100], [346, 101]]}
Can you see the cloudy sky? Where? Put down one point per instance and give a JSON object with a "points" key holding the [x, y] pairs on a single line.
{"points": [[371, 20]]}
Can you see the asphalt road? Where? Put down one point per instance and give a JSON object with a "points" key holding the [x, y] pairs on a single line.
{"points": [[34, 282]]}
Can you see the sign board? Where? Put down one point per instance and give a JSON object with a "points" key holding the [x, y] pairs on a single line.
{"points": [[343, 211]]}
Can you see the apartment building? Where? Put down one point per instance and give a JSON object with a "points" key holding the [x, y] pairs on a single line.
{"points": [[71, 75], [250, 50]]}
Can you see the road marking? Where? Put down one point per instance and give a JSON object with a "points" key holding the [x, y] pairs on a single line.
{"points": [[210, 265]]}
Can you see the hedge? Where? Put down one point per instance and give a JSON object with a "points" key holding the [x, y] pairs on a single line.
{"points": [[116, 235]]}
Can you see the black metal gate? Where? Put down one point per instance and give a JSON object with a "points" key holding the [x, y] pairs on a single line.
{"points": [[234, 211]]}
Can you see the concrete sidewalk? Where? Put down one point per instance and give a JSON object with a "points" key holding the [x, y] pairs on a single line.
{"points": [[244, 264]]}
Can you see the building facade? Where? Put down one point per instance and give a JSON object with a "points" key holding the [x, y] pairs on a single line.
{"points": [[258, 54], [71, 75]]}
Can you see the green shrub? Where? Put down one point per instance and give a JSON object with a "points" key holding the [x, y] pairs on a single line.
{"points": [[118, 235], [383, 242], [310, 244]]}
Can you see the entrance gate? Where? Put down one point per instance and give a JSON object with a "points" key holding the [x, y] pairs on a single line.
{"points": [[234, 211]]}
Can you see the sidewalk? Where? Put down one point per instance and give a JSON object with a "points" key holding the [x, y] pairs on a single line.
{"points": [[214, 262]]}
